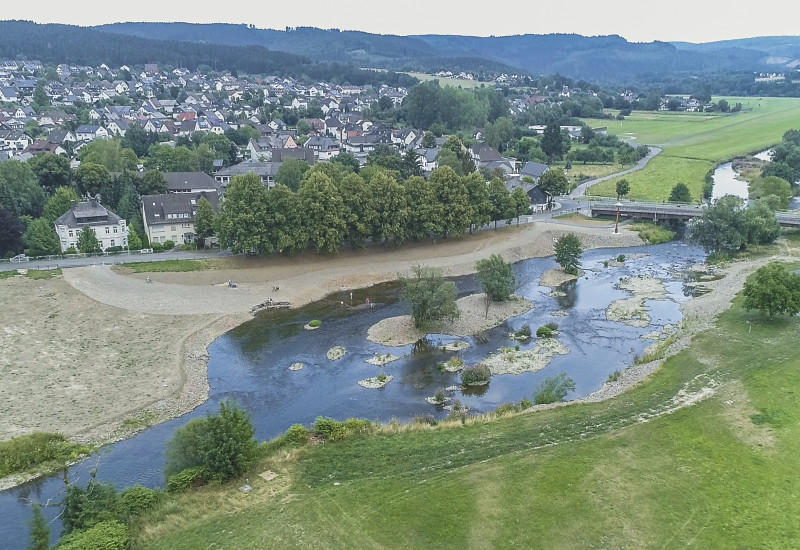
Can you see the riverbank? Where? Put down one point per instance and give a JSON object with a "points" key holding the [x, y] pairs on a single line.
{"points": [[108, 354]]}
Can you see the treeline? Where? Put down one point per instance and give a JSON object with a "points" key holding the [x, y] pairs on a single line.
{"points": [[52, 43], [785, 159], [334, 206]]}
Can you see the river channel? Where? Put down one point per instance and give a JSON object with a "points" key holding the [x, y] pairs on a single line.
{"points": [[250, 365]]}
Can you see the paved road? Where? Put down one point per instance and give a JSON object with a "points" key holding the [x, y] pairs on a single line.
{"points": [[111, 260], [580, 190]]}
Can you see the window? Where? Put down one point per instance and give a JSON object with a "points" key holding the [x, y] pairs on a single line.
{"points": [[108, 230], [172, 228], [70, 232], [112, 242], [115, 229]]}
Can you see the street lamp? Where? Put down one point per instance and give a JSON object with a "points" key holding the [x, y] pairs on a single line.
{"points": [[616, 226]]}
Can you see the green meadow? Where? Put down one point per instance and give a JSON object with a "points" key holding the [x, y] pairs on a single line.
{"points": [[703, 454], [694, 143]]}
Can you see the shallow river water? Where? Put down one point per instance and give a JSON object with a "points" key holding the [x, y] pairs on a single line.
{"points": [[250, 365]]}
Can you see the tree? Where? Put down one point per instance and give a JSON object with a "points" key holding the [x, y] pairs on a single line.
{"points": [[87, 242], [11, 230], [110, 154], [553, 389], [152, 182], [432, 299], [680, 193], [554, 182], [552, 143], [134, 241], [285, 228], [424, 210], [388, 209], [222, 444], [291, 173], [40, 530], [428, 140], [90, 178], [323, 207], [568, 253], [773, 290], [85, 508], [242, 217], [521, 202], [452, 196], [623, 188], [40, 238], [19, 191], [137, 139], [771, 185], [205, 220], [721, 228], [51, 170], [59, 203], [478, 198], [496, 278], [347, 160], [501, 201]]}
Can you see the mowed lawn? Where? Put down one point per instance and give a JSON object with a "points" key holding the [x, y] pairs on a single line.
{"points": [[694, 143], [637, 471]]}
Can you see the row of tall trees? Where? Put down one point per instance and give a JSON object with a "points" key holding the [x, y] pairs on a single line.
{"points": [[334, 205]]}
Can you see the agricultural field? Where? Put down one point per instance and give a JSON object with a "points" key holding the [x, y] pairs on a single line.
{"points": [[450, 81], [694, 143], [704, 454]]}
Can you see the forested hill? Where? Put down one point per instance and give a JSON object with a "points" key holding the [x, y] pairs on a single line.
{"points": [[609, 58], [52, 43]]}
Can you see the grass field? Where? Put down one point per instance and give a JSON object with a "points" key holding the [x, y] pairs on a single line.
{"points": [[694, 143], [630, 472], [449, 81], [173, 266]]}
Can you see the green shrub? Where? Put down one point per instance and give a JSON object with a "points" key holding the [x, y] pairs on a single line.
{"points": [[187, 479], [524, 332], [85, 508], [478, 375], [516, 347], [381, 378], [506, 408], [28, 451], [106, 535], [553, 389], [222, 443], [454, 363], [605, 263], [168, 245], [333, 430], [439, 396], [296, 435], [621, 258], [138, 499], [544, 332], [614, 376], [157, 247], [552, 326], [71, 250], [315, 323]]}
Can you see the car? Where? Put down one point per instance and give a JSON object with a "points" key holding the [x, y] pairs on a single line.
{"points": [[19, 258]]}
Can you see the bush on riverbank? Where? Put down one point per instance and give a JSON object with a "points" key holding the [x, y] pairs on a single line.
{"points": [[30, 451], [652, 233]]}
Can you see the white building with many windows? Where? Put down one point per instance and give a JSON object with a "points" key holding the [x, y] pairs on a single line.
{"points": [[110, 229]]}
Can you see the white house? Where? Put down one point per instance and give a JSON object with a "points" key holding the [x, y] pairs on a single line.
{"points": [[90, 215], [90, 132]]}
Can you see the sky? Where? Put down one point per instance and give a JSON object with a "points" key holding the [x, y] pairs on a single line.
{"points": [[675, 20]]}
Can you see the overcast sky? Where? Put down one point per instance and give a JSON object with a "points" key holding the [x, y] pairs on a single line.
{"points": [[637, 21]]}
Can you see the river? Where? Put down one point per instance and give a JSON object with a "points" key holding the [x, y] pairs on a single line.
{"points": [[249, 364]]}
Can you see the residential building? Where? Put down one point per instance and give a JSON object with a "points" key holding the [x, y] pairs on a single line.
{"points": [[90, 215], [171, 217]]}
